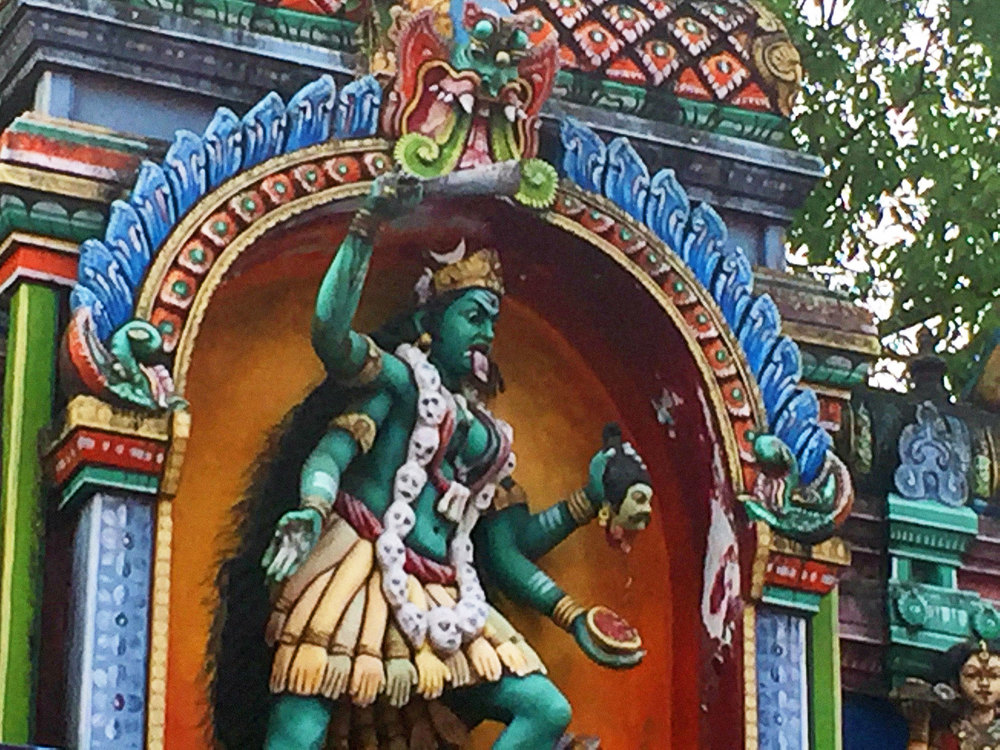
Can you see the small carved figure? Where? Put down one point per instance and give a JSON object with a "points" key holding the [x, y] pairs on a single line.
{"points": [[960, 712], [124, 369], [808, 513], [978, 678]]}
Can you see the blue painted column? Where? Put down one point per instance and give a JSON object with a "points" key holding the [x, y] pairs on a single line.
{"points": [[782, 680], [112, 567]]}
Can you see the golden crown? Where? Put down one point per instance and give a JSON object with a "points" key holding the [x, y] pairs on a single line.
{"points": [[480, 269]]}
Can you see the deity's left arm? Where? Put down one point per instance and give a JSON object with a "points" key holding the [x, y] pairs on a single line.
{"points": [[507, 564], [538, 533], [503, 558], [350, 433]]}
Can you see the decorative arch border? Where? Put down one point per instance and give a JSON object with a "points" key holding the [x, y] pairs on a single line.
{"points": [[651, 212], [187, 219]]}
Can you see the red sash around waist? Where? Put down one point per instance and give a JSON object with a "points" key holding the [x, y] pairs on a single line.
{"points": [[368, 526]]}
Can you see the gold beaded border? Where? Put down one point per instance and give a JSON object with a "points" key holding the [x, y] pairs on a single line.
{"points": [[729, 439], [215, 201], [751, 737], [156, 715], [234, 249]]}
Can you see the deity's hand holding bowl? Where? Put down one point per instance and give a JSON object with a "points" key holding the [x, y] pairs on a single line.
{"points": [[607, 639], [619, 489]]}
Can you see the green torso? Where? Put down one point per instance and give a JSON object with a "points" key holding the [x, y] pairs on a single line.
{"points": [[370, 476]]}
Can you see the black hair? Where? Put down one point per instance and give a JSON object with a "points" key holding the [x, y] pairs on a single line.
{"points": [[949, 665], [404, 329], [622, 470]]}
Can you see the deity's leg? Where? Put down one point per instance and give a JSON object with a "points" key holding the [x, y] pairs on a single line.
{"points": [[535, 712], [298, 723]]}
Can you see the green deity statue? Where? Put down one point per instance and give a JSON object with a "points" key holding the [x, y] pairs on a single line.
{"points": [[380, 631]]}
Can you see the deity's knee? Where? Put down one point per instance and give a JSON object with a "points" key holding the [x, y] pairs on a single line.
{"points": [[557, 710], [547, 706]]}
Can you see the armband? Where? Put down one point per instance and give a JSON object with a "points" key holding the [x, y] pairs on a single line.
{"points": [[371, 368], [359, 426], [580, 508], [364, 224]]}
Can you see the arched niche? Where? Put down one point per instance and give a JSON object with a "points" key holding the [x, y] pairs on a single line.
{"points": [[587, 336]]}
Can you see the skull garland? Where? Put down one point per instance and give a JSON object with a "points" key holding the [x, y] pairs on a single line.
{"points": [[389, 549], [410, 480], [446, 627], [424, 443], [399, 518], [443, 630]]}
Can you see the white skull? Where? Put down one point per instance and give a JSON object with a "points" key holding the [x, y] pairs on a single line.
{"points": [[442, 627], [424, 442], [394, 587], [468, 583], [427, 376], [399, 518], [471, 614], [410, 480], [431, 408], [461, 550], [484, 498], [390, 550], [413, 622]]}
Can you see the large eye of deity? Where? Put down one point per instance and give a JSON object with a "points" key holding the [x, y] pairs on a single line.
{"points": [[979, 679]]}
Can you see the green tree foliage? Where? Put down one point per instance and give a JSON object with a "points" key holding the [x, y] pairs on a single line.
{"points": [[902, 103]]}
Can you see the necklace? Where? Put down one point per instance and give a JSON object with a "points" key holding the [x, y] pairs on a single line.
{"points": [[974, 737], [446, 627]]}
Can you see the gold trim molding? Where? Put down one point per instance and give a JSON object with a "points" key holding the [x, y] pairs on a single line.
{"points": [[58, 184], [92, 412]]}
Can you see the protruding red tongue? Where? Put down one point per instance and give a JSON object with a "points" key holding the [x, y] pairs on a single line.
{"points": [[480, 365]]}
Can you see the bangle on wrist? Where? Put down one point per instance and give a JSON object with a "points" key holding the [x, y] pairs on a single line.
{"points": [[580, 507], [320, 505], [364, 224], [566, 610]]}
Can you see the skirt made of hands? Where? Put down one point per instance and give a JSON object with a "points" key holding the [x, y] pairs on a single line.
{"points": [[336, 636]]}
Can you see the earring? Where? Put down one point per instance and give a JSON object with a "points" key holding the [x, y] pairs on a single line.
{"points": [[424, 342], [604, 515]]}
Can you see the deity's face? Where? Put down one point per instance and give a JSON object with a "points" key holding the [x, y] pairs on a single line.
{"points": [[979, 679], [463, 340]]}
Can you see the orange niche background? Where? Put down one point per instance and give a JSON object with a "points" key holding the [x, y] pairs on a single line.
{"points": [[253, 362]]}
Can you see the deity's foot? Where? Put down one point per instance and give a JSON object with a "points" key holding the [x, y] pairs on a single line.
{"points": [[578, 742]]}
